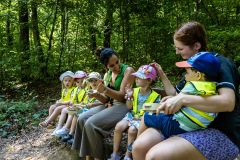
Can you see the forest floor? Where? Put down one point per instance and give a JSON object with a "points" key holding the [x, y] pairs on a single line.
{"points": [[36, 143]]}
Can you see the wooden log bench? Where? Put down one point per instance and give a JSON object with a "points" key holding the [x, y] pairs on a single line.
{"points": [[108, 142]]}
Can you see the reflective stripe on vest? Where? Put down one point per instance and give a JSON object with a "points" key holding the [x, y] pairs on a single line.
{"points": [[206, 89]]}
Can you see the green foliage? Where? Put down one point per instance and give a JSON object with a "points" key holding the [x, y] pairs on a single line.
{"points": [[18, 115], [141, 32]]}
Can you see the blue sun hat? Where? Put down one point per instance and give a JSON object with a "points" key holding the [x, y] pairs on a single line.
{"points": [[67, 73], [204, 62]]}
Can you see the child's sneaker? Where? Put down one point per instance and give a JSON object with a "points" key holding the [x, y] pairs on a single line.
{"points": [[114, 157], [70, 141], [54, 132], [66, 138], [127, 158], [62, 132]]}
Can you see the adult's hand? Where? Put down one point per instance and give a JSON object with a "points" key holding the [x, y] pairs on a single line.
{"points": [[158, 68], [101, 87], [170, 105]]}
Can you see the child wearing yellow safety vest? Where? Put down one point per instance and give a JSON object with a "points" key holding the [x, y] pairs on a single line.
{"points": [[201, 70], [66, 97], [78, 96], [89, 101], [145, 77]]}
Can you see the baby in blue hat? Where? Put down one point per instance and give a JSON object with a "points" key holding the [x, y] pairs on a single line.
{"points": [[201, 70]]}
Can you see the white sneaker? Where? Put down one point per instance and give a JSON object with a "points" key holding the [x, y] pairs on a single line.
{"points": [[54, 132], [62, 132]]}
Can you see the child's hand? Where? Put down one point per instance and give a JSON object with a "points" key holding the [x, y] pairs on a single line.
{"points": [[129, 92]]}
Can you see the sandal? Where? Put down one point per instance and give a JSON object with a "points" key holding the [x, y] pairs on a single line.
{"points": [[43, 124], [129, 148], [127, 158], [114, 157]]}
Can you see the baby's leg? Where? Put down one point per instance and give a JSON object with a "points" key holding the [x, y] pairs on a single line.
{"points": [[118, 131]]}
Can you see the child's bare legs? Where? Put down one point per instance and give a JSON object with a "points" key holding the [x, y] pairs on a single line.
{"points": [[69, 137], [142, 127], [118, 131], [132, 134], [53, 116], [51, 109], [73, 125], [63, 117]]}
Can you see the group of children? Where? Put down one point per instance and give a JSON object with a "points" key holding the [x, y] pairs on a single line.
{"points": [[201, 72]]}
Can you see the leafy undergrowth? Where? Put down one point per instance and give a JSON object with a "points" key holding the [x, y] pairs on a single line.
{"points": [[23, 105]]}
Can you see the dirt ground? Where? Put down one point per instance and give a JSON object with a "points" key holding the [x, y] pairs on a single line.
{"points": [[37, 144]]}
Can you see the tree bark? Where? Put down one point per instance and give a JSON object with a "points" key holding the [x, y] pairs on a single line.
{"points": [[24, 40], [36, 37]]}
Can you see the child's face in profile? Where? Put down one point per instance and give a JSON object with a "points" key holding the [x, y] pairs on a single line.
{"points": [[191, 75], [78, 82], [94, 83], [141, 82], [67, 82]]}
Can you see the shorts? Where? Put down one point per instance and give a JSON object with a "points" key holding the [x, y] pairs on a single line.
{"points": [[212, 143], [164, 123]]}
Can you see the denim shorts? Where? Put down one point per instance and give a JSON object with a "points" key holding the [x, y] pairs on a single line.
{"points": [[164, 123]]}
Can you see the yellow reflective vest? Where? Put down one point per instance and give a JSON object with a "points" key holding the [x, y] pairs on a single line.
{"points": [[67, 96], [78, 96], [201, 118], [152, 98]]}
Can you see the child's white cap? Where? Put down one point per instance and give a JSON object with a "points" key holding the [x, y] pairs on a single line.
{"points": [[94, 75], [67, 73]]}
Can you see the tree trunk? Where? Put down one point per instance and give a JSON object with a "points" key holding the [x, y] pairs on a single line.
{"points": [[51, 38], [63, 26], [24, 40], [108, 24], [36, 37], [8, 27]]}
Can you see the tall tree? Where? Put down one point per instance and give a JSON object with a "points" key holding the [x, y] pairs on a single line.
{"points": [[24, 39], [36, 37]]}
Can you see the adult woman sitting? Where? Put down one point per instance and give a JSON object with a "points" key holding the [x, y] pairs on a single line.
{"points": [[99, 122], [222, 139]]}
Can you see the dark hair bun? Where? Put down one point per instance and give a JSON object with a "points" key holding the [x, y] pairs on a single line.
{"points": [[99, 50]]}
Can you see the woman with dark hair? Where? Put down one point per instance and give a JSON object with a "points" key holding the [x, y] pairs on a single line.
{"points": [[97, 123], [221, 141]]}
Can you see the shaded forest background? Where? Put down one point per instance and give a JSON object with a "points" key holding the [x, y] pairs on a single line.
{"points": [[42, 38]]}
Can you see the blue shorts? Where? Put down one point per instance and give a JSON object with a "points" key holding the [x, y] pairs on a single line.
{"points": [[164, 123]]}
